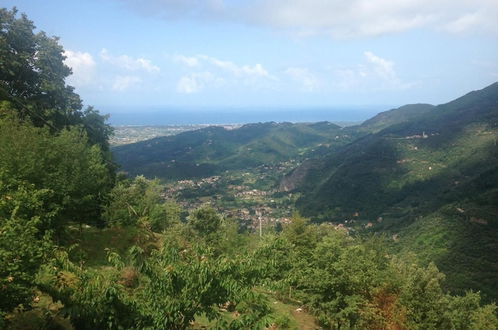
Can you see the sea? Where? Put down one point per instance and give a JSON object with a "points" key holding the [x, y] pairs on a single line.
{"points": [[165, 116]]}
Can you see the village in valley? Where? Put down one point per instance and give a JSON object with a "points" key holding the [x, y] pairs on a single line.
{"points": [[250, 197], [260, 198], [253, 198]]}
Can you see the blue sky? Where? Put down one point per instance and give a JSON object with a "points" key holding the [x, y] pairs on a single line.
{"points": [[272, 53]]}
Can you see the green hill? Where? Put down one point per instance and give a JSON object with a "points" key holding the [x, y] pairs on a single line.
{"points": [[431, 180], [453, 142], [212, 150], [395, 116]]}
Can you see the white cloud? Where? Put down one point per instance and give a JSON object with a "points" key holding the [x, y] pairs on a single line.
{"points": [[376, 73], [384, 68], [338, 18], [190, 61], [83, 67], [122, 83], [362, 18], [188, 85], [344, 19], [304, 77], [464, 23], [348, 78], [129, 63], [256, 70], [195, 82], [220, 72]]}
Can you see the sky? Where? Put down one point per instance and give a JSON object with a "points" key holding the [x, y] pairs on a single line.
{"points": [[272, 53]]}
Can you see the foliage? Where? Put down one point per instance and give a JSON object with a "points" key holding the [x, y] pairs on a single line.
{"points": [[72, 176], [388, 118], [429, 175], [416, 159], [174, 286], [204, 221], [32, 81], [22, 251], [92, 298], [221, 234], [462, 249], [53, 169], [347, 283], [213, 150], [194, 281], [427, 306], [299, 233], [138, 201]]}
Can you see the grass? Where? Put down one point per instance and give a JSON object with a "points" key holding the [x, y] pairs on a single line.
{"points": [[92, 244], [297, 319], [43, 315], [286, 316]]}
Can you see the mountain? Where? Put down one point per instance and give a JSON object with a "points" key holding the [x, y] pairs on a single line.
{"points": [[395, 116], [212, 150], [430, 180], [451, 142]]}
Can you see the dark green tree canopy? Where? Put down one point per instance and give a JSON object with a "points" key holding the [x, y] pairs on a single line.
{"points": [[204, 221], [32, 81]]}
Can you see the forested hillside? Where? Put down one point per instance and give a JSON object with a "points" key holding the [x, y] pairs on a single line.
{"points": [[212, 150], [82, 247], [431, 180], [452, 142], [388, 118]]}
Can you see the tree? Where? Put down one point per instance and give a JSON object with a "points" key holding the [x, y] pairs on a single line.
{"points": [[340, 280], [204, 221], [174, 287], [23, 247], [300, 233], [98, 131], [139, 202], [33, 72], [32, 81], [428, 307], [53, 170], [466, 312], [93, 299], [73, 175]]}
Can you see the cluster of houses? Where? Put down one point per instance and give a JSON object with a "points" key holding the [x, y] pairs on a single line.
{"points": [[184, 184], [418, 136], [253, 217], [252, 193]]}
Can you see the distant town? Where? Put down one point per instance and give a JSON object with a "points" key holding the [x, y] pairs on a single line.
{"points": [[135, 133]]}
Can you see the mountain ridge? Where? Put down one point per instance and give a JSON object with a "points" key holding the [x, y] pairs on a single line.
{"points": [[395, 116], [211, 150]]}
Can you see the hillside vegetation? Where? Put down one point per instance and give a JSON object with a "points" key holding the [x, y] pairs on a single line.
{"points": [[431, 180], [395, 116], [423, 174], [212, 150]]}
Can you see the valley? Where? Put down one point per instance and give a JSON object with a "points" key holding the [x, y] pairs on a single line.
{"points": [[240, 173], [390, 175]]}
